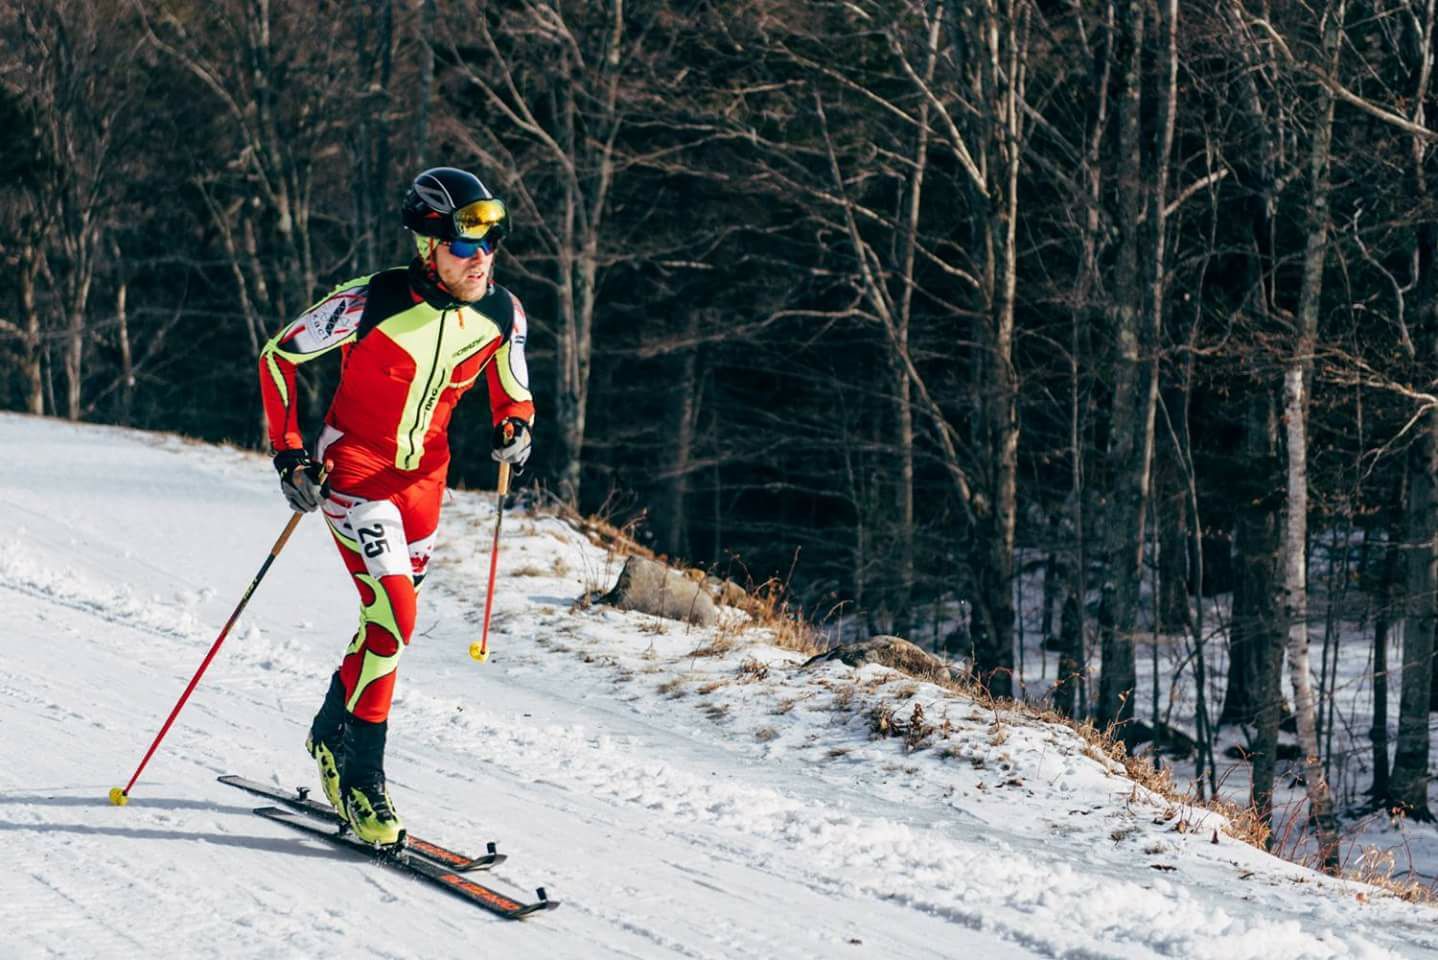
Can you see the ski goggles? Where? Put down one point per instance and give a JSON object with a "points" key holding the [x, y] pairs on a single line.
{"points": [[464, 249], [480, 219]]}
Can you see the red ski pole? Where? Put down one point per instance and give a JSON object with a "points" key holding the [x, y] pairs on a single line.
{"points": [[480, 650], [120, 797]]}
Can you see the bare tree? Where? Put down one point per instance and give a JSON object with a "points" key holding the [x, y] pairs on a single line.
{"points": [[285, 87], [552, 141], [1257, 624], [1133, 323], [1408, 783], [981, 124], [27, 329], [78, 93], [1297, 379]]}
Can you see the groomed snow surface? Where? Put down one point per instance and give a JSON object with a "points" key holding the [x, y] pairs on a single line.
{"points": [[679, 805]]}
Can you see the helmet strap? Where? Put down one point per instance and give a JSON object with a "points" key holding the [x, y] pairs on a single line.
{"points": [[428, 248]]}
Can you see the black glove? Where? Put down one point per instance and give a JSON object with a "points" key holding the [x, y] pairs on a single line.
{"points": [[299, 480], [512, 441]]}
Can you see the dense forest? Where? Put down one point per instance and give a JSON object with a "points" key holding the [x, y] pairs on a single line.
{"points": [[890, 300]]}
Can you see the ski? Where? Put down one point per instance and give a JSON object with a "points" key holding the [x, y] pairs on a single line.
{"points": [[418, 866], [301, 800]]}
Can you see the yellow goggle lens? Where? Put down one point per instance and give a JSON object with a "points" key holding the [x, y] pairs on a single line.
{"points": [[473, 220]]}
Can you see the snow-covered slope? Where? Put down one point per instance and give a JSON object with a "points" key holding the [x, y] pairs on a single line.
{"points": [[678, 805]]}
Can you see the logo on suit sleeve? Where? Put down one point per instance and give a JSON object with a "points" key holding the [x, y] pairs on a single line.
{"points": [[518, 334], [334, 319]]}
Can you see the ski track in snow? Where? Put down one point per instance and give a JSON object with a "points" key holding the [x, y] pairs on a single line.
{"points": [[676, 805]]}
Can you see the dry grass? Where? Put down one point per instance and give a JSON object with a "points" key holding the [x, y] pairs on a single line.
{"points": [[1240, 823], [717, 647], [765, 734], [916, 731], [600, 531], [1375, 868], [1181, 806], [529, 570], [673, 688], [787, 627], [752, 671], [711, 686]]}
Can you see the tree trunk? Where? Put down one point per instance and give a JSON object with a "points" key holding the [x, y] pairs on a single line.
{"points": [[1255, 545], [1101, 59], [1172, 517], [1172, 600], [1070, 649], [1296, 378], [34, 381], [683, 410], [1259, 652], [1254, 631], [1384, 595], [1295, 593], [370, 134], [1409, 779], [1254, 695], [122, 332], [899, 352], [1131, 422], [77, 305], [425, 97], [1408, 784], [995, 534]]}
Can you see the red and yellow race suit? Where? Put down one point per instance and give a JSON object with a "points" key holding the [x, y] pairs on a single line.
{"points": [[408, 354]]}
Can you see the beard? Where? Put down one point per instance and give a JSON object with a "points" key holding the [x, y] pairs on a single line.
{"points": [[466, 280]]}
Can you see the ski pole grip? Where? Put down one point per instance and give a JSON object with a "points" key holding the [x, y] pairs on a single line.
{"points": [[295, 517]]}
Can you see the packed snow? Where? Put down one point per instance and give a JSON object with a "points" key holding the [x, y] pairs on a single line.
{"points": [[683, 792]]}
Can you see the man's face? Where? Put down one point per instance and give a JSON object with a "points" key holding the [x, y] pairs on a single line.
{"points": [[468, 278]]}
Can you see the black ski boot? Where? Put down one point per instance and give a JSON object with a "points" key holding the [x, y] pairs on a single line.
{"points": [[326, 742], [367, 804]]}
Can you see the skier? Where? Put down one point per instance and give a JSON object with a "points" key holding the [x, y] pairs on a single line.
{"points": [[412, 340]]}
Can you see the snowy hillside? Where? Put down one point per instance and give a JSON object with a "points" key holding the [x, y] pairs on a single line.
{"points": [[679, 805]]}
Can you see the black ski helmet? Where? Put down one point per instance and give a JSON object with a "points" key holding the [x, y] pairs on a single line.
{"points": [[444, 203]]}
